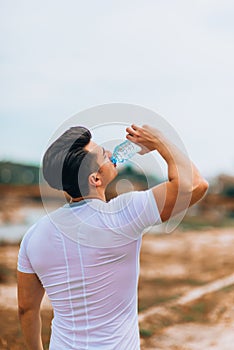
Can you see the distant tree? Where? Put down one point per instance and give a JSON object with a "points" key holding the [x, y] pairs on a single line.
{"points": [[18, 174], [229, 191]]}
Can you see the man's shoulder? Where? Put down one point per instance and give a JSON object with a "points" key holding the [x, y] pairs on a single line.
{"points": [[41, 224], [132, 195], [125, 200]]}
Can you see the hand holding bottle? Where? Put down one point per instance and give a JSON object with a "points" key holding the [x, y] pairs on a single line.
{"points": [[139, 140], [146, 137]]}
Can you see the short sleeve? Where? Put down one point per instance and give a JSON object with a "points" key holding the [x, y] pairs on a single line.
{"points": [[133, 212], [24, 264]]}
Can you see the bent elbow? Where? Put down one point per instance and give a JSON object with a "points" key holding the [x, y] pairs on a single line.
{"points": [[200, 191], [203, 186], [200, 186]]}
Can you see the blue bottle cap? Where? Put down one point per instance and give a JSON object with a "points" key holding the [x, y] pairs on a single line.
{"points": [[113, 160]]}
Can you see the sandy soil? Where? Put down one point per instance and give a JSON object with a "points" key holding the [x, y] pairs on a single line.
{"points": [[171, 267]]}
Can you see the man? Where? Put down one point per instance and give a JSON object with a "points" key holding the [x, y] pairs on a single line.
{"points": [[85, 255]]}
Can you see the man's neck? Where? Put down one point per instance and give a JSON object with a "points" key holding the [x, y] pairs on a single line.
{"points": [[102, 197]]}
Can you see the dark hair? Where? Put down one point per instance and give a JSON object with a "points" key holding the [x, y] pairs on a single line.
{"points": [[66, 165]]}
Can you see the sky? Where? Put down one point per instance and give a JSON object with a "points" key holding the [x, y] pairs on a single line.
{"points": [[174, 57]]}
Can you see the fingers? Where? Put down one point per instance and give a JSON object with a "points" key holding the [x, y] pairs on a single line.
{"points": [[135, 127], [130, 138], [140, 136], [133, 130], [133, 133]]}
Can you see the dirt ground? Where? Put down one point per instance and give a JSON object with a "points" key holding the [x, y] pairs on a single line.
{"points": [[171, 267]]}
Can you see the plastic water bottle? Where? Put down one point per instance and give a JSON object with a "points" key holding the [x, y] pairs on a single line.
{"points": [[124, 151]]}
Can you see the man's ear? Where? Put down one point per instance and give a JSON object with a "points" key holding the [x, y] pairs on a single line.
{"points": [[94, 180]]}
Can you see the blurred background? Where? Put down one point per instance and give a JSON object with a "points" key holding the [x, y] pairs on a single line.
{"points": [[173, 57]]}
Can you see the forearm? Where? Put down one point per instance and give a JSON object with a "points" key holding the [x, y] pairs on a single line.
{"points": [[185, 185], [181, 170], [31, 327]]}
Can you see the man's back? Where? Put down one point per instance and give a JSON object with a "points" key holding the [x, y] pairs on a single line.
{"points": [[86, 256]]}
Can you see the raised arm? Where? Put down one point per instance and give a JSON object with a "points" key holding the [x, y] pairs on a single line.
{"points": [[30, 294], [185, 185]]}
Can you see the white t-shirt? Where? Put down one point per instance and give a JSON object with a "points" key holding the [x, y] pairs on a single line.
{"points": [[86, 256]]}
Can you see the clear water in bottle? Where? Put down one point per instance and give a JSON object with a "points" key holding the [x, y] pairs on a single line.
{"points": [[124, 151]]}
